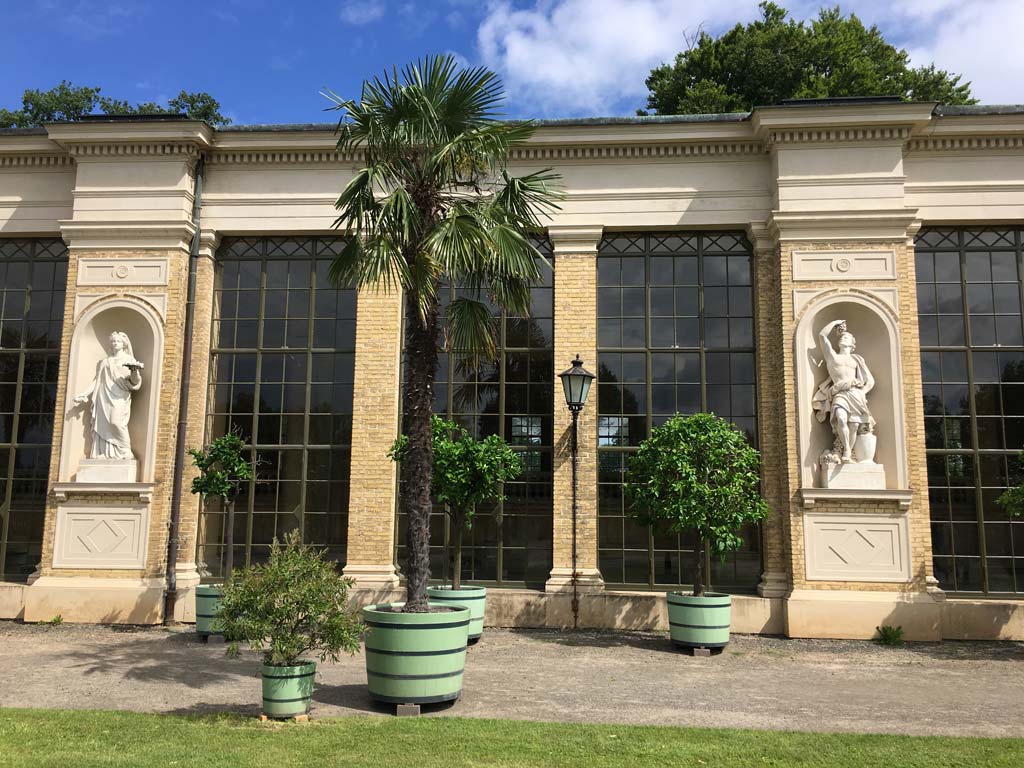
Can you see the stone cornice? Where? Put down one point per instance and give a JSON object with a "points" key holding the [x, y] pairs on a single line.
{"points": [[885, 133], [283, 157], [36, 161], [886, 225], [97, 151], [127, 235], [965, 143]]}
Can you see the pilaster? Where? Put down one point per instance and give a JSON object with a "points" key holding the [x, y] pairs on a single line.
{"points": [[376, 412], [575, 253]]}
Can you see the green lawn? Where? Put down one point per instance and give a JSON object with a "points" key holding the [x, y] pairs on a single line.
{"points": [[63, 738]]}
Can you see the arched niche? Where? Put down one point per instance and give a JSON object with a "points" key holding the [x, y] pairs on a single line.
{"points": [[877, 333], [88, 346]]}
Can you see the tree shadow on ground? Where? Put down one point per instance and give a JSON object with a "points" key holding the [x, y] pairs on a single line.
{"points": [[164, 657], [350, 696], [592, 638]]}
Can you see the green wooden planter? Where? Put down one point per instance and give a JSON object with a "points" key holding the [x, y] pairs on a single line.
{"points": [[699, 622], [415, 658], [207, 606], [474, 598], [288, 691]]}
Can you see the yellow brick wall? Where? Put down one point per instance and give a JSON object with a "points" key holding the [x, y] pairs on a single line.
{"points": [[375, 423], [575, 334], [167, 409], [785, 463]]}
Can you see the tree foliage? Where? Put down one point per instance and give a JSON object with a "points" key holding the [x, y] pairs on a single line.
{"points": [[1012, 499], [776, 58], [697, 473], [67, 102], [434, 204], [223, 468], [466, 474], [292, 605]]}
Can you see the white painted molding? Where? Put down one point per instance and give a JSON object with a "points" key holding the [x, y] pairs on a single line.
{"points": [[961, 143], [144, 491], [101, 537], [857, 547], [844, 265], [85, 299], [830, 226], [581, 238], [838, 135], [133, 271], [810, 496]]}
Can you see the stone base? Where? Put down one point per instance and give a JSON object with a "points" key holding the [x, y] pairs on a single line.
{"points": [[12, 600], [185, 604], [859, 475], [91, 600], [856, 615], [588, 580], [773, 584], [107, 471]]}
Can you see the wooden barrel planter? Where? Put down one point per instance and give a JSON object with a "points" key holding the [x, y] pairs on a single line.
{"points": [[287, 691], [699, 622], [207, 606], [415, 658], [474, 598]]}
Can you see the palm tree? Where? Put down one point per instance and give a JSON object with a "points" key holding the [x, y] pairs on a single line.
{"points": [[434, 203]]}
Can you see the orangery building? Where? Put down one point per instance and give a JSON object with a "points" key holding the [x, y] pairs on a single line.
{"points": [[725, 263]]}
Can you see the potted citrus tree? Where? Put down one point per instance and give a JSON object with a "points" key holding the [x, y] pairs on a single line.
{"points": [[467, 473], [433, 204], [223, 470], [697, 473], [291, 607]]}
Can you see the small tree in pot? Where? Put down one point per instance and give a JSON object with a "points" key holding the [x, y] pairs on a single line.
{"points": [[697, 473], [223, 470], [467, 473], [293, 605]]}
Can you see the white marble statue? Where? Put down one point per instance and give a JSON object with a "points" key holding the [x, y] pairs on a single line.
{"points": [[117, 377], [842, 398]]}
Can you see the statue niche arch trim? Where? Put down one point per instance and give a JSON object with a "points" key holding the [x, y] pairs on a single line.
{"points": [[878, 347], [90, 339]]}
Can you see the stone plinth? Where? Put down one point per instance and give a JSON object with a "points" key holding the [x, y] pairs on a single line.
{"points": [[864, 475], [107, 471]]}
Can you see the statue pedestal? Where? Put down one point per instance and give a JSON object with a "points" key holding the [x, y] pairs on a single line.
{"points": [[864, 475], [107, 471]]}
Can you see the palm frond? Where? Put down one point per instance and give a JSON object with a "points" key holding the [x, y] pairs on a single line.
{"points": [[471, 330]]}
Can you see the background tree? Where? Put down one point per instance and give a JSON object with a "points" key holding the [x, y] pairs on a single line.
{"points": [[776, 58], [223, 470], [434, 202], [68, 102], [467, 473], [697, 473]]}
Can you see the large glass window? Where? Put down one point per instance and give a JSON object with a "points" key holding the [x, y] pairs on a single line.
{"points": [[33, 276], [675, 335], [281, 376], [509, 543], [972, 365]]}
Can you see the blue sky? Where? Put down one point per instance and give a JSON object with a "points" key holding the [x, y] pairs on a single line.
{"points": [[266, 61]]}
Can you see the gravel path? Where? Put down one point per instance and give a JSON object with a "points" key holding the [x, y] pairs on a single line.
{"points": [[758, 682]]}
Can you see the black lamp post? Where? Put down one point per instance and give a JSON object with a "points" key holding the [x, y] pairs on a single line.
{"points": [[576, 382]]}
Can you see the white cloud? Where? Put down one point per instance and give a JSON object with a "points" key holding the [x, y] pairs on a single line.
{"points": [[565, 57], [358, 12], [976, 38], [570, 56]]}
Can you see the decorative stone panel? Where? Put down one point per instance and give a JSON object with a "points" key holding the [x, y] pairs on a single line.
{"points": [[90, 536], [144, 271], [844, 265], [856, 547]]}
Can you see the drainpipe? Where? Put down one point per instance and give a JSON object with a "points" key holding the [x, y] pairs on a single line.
{"points": [[171, 596]]}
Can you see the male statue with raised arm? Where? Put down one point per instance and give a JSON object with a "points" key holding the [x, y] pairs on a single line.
{"points": [[843, 396]]}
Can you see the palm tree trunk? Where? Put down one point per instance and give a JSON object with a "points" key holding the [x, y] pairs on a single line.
{"points": [[421, 366]]}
